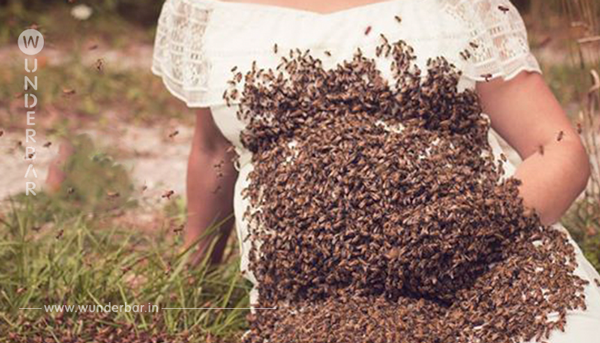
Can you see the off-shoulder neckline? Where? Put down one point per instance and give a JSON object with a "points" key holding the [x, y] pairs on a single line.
{"points": [[303, 12]]}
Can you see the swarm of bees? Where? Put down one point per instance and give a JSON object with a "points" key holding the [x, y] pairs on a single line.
{"points": [[378, 211]]}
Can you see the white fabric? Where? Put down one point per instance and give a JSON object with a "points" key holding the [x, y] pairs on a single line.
{"points": [[198, 42]]}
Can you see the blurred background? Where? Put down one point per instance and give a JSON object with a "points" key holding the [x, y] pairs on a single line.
{"points": [[112, 231]]}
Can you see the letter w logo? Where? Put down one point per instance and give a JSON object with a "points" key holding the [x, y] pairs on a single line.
{"points": [[29, 40]]}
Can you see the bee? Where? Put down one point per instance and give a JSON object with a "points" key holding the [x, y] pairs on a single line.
{"points": [[541, 150], [144, 188], [368, 30], [60, 234], [579, 128], [21, 290], [67, 91], [275, 48], [70, 190], [503, 157], [168, 194], [173, 134], [238, 77], [385, 40], [30, 156], [99, 65], [179, 229], [473, 45], [234, 69], [47, 144], [398, 19], [560, 136], [465, 54], [112, 195], [504, 9], [327, 53]]}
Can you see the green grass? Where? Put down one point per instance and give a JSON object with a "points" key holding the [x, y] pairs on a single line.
{"points": [[70, 248]]}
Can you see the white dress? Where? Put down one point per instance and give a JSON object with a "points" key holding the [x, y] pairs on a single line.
{"points": [[198, 42]]}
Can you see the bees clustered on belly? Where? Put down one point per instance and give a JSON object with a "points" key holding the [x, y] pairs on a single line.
{"points": [[379, 213]]}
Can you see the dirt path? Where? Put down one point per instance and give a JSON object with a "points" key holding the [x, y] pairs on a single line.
{"points": [[152, 158]]}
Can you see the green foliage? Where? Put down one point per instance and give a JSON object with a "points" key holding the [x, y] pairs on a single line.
{"points": [[70, 248], [583, 222]]}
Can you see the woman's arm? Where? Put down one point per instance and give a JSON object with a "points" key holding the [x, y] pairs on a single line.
{"points": [[210, 181], [555, 167]]}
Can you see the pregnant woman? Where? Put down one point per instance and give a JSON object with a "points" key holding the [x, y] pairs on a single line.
{"points": [[372, 200]]}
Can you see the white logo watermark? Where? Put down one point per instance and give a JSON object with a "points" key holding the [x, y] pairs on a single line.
{"points": [[31, 42]]}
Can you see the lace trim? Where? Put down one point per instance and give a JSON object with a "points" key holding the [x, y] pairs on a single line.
{"points": [[178, 56], [498, 45]]}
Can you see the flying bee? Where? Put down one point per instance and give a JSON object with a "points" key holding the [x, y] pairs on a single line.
{"points": [[560, 136], [504, 9], [168, 194], [173, 134], [327, 53], [398, 19], [275, 48], [68, 91], [112, 195], [368, 30], [47, 144], [179, 229], [99, 65]]}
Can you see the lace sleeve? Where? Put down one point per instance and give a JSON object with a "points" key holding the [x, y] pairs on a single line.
{"points": [[178, 56], [499, 45]]}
